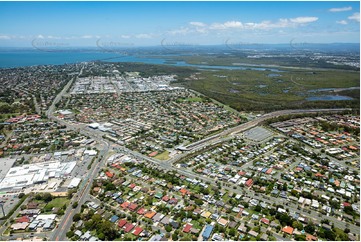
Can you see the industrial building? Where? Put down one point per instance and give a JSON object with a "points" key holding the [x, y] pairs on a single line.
{"points": [[27, 175]]}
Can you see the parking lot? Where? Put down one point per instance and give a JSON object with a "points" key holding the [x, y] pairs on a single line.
{"points": [[9, 201], [5, 165], [258, 134]]}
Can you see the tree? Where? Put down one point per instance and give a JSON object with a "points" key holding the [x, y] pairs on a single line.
{"points": [[348, 210], [70, 234], [60, 212], [89, 225], [168, 228], [76, 217], [21, 195], [258, 208], [38, 197], [47, 197], [232, 232], [310, 228], [294, 193], [285, 219], [96, 218], [107, 228], [110, 186], [75, 204], [297, 225], [101, 236], [70, 193], [300, 237], [330, 235], [199, 202]]}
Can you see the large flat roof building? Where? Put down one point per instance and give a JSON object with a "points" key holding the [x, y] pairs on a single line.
{"points": [[27, 175]]}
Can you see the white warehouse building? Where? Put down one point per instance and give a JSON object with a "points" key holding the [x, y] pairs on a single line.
{"points": [[27, 175]]}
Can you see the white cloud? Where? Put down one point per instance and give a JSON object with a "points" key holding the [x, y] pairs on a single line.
{"points": [[125, 36], [143, 36], [227, 25], [53, 37], [5, 37], [233, 25], [281, 23], [87, 37], [355, 16], [40, 36], [181, 31], [340, 9], [344, 22], [197, 24], [303, 20]]}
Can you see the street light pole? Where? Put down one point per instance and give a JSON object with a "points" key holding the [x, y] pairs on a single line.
{"points": [[2, 207]]}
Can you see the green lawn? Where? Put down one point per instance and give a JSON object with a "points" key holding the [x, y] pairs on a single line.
{"points": [[196, 224], [57, 203], [194, 99], [162, 156]]}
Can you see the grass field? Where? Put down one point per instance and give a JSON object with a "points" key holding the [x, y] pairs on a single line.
{"points": [[162, 156], [266, 90], [57, 203]]}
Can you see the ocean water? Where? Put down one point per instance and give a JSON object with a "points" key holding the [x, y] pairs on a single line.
{"points": [[31, 58], [11, 59]]}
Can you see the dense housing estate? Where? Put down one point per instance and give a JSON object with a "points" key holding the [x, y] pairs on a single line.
{"points": [[116, 155]]}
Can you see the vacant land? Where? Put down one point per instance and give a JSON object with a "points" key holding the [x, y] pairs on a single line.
{"points": [[267, 90], [57, 203], [163, 156]]}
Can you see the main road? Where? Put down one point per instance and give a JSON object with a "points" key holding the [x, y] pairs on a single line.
{"points": [[83, 194]]}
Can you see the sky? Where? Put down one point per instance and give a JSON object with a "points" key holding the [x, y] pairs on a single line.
{"points": [[125, 24]]}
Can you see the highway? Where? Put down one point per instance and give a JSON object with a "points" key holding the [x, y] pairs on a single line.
{"points": [[229, 134]]}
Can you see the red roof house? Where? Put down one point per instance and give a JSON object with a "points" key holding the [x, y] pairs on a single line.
{"points": [[121, 223], [265, 220], [346, 204], [109, 174], [249, 182], [133, 206], [137, 231], [141, 211], [187, 228], [128, 227], [124, 205], [287, 230]]}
